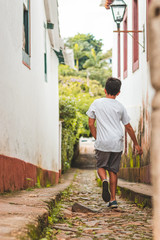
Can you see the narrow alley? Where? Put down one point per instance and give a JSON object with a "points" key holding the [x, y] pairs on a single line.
{"points": [[84, 215], [126, 222], [68, 72], [80, 212]]}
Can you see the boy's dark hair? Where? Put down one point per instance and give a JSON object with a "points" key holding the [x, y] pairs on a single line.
{"points": [[113, 86]]}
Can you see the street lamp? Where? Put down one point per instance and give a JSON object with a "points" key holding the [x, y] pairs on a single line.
{"points": [[118, 10]]}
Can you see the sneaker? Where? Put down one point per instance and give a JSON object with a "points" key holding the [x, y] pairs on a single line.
{"points": [[105, 191], [113, 204]]}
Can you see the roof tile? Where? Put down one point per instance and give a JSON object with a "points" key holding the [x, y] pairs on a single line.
{"points": [[108, 2]]}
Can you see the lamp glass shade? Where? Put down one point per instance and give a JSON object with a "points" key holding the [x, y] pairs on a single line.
{"points": [[118, 10]]}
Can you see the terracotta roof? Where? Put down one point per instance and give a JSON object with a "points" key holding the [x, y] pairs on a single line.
{"points": [[108, 2]]}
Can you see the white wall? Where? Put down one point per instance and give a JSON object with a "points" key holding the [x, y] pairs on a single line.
{"points": [[136, 92], [29, 122]]}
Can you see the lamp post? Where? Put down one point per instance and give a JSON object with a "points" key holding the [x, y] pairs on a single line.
{"points": [[118, 10]]}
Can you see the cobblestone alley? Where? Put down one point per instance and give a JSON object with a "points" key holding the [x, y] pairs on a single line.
{"points": [[126, 222]]}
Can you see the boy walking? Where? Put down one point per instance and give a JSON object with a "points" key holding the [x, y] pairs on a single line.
{"points": [[108, 114]]}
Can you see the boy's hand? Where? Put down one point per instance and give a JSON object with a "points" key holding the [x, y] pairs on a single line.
{"points": [[131, 133], [139, 149]]}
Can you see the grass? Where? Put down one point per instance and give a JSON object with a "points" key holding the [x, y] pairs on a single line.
{"points": [[44, 229]]}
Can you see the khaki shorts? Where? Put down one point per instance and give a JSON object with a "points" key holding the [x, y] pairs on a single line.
{"points": [[108, 160]]}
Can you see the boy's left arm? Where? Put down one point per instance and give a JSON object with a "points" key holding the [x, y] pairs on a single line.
{"points": [[131, 133], [92, 127]]}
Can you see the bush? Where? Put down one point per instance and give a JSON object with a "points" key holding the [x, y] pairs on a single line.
{"points": [[65, 70], [75, 98]]}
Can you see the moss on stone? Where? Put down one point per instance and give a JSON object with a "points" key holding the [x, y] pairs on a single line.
{"points": [[138, 161]]}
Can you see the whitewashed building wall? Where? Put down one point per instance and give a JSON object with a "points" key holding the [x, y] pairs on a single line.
{"points": [[136, 92], [29, 104], [136, 88]]}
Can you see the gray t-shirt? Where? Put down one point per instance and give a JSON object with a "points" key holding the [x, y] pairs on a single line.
{"points": [[109, 113]]}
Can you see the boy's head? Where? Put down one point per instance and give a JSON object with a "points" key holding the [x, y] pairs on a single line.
{"points": [[113, 86]]}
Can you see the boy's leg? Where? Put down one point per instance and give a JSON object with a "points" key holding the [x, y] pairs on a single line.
{"points": [[113, 185], [102, 173], [114, 168], [105, 188]]}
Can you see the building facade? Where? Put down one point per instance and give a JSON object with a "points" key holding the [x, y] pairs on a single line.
{"points": [[131, 65], [29, 105]]}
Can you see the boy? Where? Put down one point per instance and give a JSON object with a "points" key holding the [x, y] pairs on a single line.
{"points": [[108, 114]]}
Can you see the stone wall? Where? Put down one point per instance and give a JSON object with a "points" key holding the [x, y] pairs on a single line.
{"points": [[141, 174]]}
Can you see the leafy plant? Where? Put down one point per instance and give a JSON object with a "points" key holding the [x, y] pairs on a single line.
{"points": [[84, 43], [76, 95]]}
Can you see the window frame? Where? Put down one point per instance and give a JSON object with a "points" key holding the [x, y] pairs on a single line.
{"points": [[135, 26], [119, 55], [26, 55], [125, 46]]}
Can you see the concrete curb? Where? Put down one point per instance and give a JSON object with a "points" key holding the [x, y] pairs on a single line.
{"points": [[18, 210], [140, 194]]}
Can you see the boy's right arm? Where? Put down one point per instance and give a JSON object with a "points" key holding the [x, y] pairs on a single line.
{"points": [[131, 133], [92, 127]]}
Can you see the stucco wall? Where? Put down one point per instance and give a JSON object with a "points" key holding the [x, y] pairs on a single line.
{"points": [[29, 115], [136, 93], [136, 89]]}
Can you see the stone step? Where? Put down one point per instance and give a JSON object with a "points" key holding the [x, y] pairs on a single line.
{"points": [[139, 193], [85, 161]]}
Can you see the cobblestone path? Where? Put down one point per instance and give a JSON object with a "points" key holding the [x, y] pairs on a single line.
{"points": [[126, 222]]}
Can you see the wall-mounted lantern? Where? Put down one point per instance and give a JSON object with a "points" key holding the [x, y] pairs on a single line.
{"points": [[118, 10]]}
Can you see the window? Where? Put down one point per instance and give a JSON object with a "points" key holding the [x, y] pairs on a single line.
{"points": [[125, 46], [119, 56], [135, 36], [45, 66], [26, 49], [45, 52]]}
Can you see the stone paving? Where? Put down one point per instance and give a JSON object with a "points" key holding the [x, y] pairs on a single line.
{"points": [[19, 209], [126, 222]]}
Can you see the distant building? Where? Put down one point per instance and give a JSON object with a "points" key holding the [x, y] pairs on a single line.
{"points": [[29, 106], [69, 57], [66, 55], [131, 64]]}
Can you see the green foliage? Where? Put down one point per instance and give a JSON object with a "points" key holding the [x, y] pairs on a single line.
{"points": [[101, 75], [79, 88], [67, 109], [98, 70], [44, 230], [107, 55], [76, 95], [55, 214], [97, 67], [38, 183], [94, 60], [79, 53], [99, 181], [65, 70], [88, 55], [85, 42]]}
